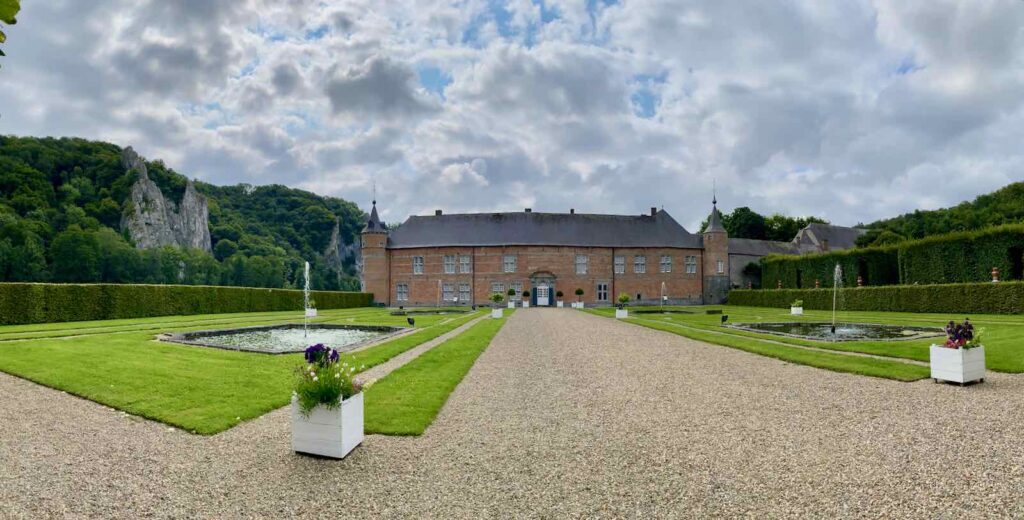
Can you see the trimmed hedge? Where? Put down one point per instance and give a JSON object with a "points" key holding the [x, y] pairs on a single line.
{"points": [[880, 267], [22, 303], [942, 259], [974, 298]]}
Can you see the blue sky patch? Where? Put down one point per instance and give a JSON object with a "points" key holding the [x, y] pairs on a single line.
{"points": [[316, 33], [434, 79]]}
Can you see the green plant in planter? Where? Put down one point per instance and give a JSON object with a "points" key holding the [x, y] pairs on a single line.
{"points": [[497, 299], [526, 294], [623, 300], [579, 293], [559, 294], [797, 303], [511, 294], [324, 380]]}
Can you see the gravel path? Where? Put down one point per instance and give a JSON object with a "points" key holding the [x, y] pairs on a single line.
{"points": [[566, 414]]}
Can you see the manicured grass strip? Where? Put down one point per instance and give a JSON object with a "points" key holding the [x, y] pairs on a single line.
{"points": [[408, 399], [835, 362], [203, 390], [374, 356], [1004, 351], [179, 323]]}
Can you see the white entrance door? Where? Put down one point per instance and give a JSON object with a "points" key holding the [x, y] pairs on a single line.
{"points": [[542, 295]]}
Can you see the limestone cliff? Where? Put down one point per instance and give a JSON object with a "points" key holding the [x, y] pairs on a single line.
{"points": [[337, 251], [154, 221]]}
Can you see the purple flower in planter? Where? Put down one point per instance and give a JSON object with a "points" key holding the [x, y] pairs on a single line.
{"points": [[321, 355]]}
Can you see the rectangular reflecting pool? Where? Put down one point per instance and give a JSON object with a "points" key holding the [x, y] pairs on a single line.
{"points": [[844, 331], [281, 339]]}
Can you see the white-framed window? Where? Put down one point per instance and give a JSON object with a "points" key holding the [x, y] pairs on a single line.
{"points": [[497, 288], [581, 264], [666, 264], [509, 263], [691, 265], [620, 265], [720, 265], [417, 265], [640, 264], [447, 292], [465, 264], [464, 292], [402, 290], [449, 264], [602, 291], [518, 288]]}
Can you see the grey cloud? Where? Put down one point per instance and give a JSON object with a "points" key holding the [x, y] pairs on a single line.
{"points": [[286, 79], [378, 87]]}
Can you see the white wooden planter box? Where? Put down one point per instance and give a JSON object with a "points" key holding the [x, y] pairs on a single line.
{"points": [[579, 305], [497, 313], [559, 304], [621, 314], [796, 311], [311, 313], [511, 305], [958, 365], [526, 305], [328, 433]]}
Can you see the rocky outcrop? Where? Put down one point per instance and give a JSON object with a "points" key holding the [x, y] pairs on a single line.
{"points": [[154, 221], [338, 252]]}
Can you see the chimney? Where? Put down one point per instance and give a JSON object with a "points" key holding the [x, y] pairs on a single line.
{"points": [[528, 210], [438, 213], [572, 211], [654, 211]]}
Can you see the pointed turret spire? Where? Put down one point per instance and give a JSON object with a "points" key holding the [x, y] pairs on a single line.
{"points": [[715, 219], [373, 224]]}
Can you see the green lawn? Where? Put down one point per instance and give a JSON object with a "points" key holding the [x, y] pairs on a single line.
{"points": [[1004, 350], [204, 390], [407, 400]]}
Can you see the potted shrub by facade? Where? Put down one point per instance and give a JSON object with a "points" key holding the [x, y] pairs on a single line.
{"points": [[327, 406], [558, 302], [797, 308], [620, 309], [961, 359], [496, 312], [511, 298], [579, 298], [526, 299]]}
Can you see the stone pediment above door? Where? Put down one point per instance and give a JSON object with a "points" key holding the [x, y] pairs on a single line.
{"points": [[542, 276]]}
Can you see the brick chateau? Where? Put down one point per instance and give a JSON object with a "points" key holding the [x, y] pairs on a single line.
{"points": [[463, 259]]}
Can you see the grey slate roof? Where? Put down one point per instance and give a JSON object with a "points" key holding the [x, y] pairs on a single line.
{"points": [[547, 229], [839, 237], [751, 247]]}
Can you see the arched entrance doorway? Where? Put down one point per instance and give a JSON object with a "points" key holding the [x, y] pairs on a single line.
{"points": [[542, 289]]}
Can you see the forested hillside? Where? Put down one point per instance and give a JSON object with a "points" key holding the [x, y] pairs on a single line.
{"points": [[61, 205], [1004, 206]]}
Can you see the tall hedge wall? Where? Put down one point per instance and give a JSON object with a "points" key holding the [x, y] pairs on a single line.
{"points": [[943, 259], [22, 303], [985, 298], [879, 265], [962, 257]]}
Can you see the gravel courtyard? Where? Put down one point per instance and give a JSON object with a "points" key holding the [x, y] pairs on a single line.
{"points": [[565, 414]]}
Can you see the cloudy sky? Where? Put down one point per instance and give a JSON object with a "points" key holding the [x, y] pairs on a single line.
{"points": [[850, 110]]}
